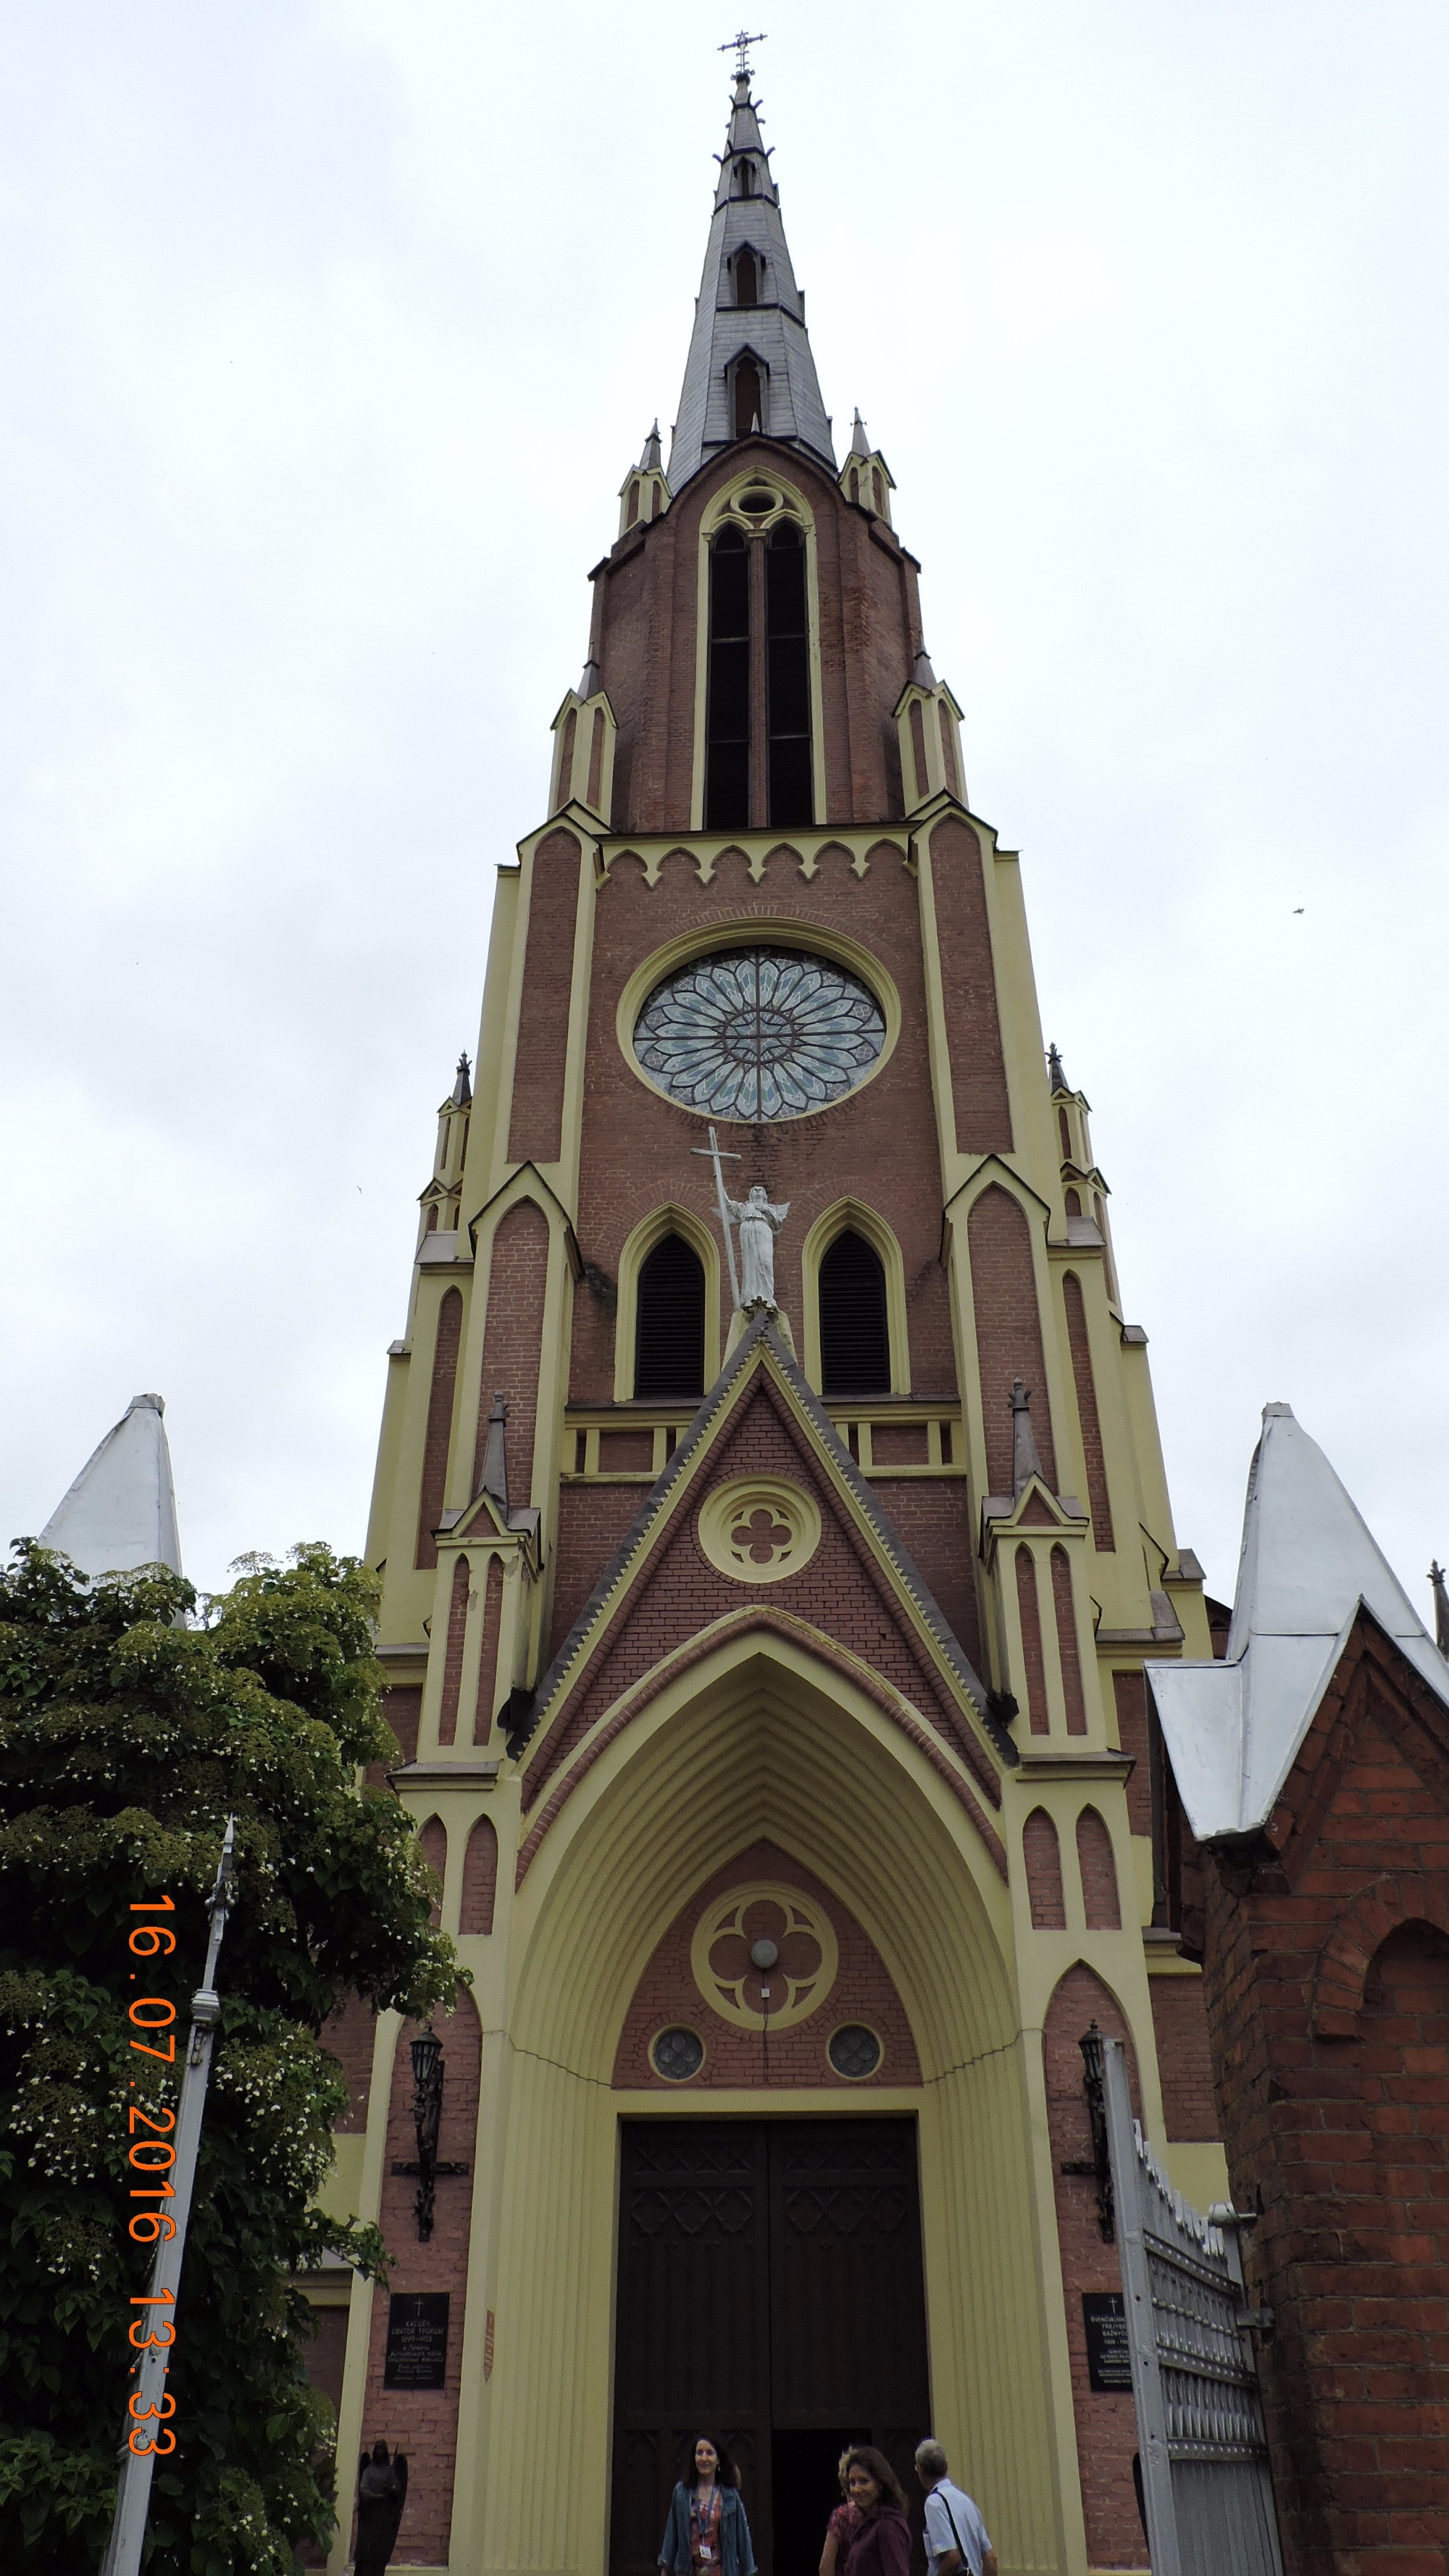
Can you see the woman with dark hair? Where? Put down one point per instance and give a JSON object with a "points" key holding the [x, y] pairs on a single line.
{"points": [[707, 2534], [882, 2543], [842, 2527]]}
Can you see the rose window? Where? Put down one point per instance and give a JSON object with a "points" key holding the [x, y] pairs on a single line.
{"points": [[758, 1034], [764, 1956]]}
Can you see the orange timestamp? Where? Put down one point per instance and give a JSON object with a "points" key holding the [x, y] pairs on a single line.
{"points": [[151, 2154], [162, 2440]]}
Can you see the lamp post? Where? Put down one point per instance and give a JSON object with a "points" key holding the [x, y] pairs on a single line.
{"points": [[427, 2056], [133, 2498]]}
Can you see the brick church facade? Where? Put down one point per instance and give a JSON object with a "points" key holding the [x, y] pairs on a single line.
{"points": [[774, 1676]]}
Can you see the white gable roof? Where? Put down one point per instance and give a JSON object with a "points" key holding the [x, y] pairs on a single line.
{"points": [[121, 1510], [1308, 1561]]}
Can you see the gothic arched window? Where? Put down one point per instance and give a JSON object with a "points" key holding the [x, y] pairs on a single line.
{"points": [[727, 774], [855, 1341], [788, 677], [747, 278], [669, 1325], [749, 399]]}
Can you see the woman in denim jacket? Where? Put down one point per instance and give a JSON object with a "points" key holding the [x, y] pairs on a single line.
{"points": [[707, 2533]]}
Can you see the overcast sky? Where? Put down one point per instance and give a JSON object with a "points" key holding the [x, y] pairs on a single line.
{"points": [[329, 332]]}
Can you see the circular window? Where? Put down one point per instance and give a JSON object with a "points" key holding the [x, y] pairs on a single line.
{"points": [[757, 1529], [764, 1956], [854, 2051], [759, 1033], [676, 2054]]}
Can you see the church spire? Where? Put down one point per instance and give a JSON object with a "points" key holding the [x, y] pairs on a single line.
{"points": [[749, 363]]}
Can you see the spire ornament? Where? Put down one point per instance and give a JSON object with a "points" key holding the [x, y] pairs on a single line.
{"points": [[1441, 1606], [1059, 1080], [1025, 1462], [739, 45]]}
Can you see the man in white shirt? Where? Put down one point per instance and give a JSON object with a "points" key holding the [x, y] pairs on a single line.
{"points": [[955, 2533]]}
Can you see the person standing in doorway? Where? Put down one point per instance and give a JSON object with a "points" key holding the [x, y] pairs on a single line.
{"points": [[842, 2527], [955, 2533], [882, 2542], [707, 2533]]}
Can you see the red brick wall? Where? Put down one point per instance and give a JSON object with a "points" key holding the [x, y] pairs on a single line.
{"points": [[480, 1878], [543, 1027], [432, 1492], [349, 2035], [1100, 1901], [1071, 1662], [1184, 2060], [1087, 1415], [862, 1992], [973, 1029], [1038, 1716], [1133, 1722], [1106, 2425], [1330, 2044], [486, 1704], [592, 1522], [1008, 1331], [513, 1335], [425, 2421], [1043, 1856], [935, 1523], [453, 1653]]}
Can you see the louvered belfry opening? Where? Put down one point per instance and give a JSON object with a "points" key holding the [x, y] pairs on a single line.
{"points": [[727, 772], [855, 1341], [669, 1330]]}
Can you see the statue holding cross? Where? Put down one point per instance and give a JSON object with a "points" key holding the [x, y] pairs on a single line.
{"points": [[758, 1221]]}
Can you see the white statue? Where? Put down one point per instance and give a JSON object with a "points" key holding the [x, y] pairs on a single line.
{"points": [[759, 1223]]}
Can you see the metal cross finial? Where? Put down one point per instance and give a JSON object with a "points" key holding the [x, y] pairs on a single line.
{"points": [[740, 44]]}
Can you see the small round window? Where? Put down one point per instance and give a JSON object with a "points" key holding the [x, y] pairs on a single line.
{"points": [[854, 2051], [676, 2054], [759, 1033]]}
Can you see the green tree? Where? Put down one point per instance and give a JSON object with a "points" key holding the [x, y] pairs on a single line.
{"points": [[132, 1723]]}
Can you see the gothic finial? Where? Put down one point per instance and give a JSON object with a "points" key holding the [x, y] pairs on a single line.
{"points": [[1441, 1606], [652, 459], [1054, 1068], [592, 681], [923, 675], [494, 1479], [1024, 1460], [859, 443], [462, 1087]]}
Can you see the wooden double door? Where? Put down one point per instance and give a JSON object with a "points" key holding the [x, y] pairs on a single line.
{"points": [[770, 2293]]}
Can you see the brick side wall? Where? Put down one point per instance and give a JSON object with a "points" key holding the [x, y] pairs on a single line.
{"points": [[425, 2421], [513, 1335], [480, 1878], [543, 1028], [863, 1992], [1087, 1414], [1028, 1604], [1071, 1662], [973, 1030], [432, 1492], [485, 1707], [592, 1521], [1008, 1331], [1106, 2425], [349, 2035], [1043, 1857], [935, 1522], [1101, 1903], [1130, 1693], [1184, 2060], [453, 1653], [1333, 2082]]}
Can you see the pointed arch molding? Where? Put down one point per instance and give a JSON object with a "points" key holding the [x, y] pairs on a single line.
{"points": [[1347, 1954], [739, 1639], [846, 1216], [651, 1229]]}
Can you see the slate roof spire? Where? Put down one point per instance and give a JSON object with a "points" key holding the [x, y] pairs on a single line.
{"points": [[749, 308], [121, 1510]]}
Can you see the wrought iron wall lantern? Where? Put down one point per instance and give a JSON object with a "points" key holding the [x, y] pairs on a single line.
{"points": [[1099, 2169], [427, 2057]]}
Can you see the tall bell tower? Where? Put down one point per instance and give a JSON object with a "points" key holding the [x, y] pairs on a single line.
{"points": [[768, 1670]]}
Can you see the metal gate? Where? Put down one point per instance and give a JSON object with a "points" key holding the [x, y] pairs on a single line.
{"points": [[1205, 2485]]}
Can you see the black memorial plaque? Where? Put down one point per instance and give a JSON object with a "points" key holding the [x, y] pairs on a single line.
{"points": [[417, 2339], [1109, 2370]]}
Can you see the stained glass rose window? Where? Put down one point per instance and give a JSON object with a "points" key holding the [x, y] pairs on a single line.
{"points": [[759, 1033]]}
